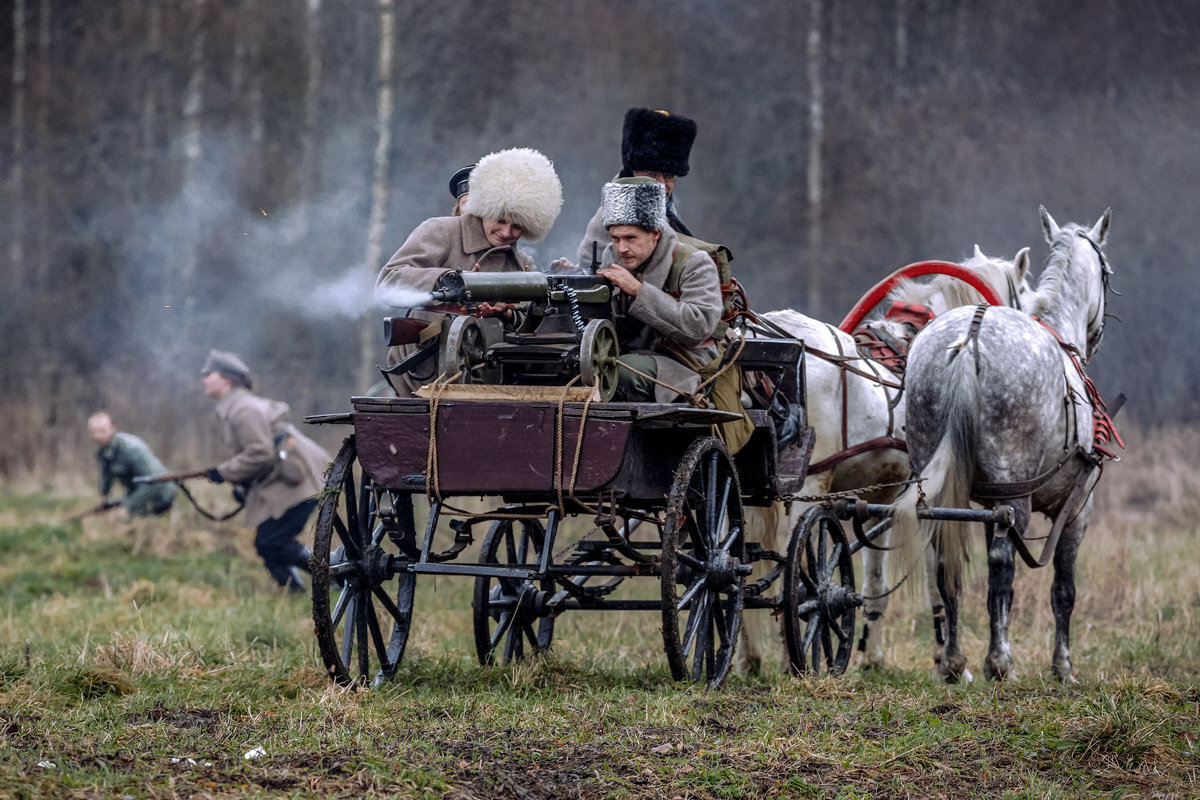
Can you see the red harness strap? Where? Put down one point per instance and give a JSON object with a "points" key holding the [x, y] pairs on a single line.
{"points": [[1104, 430]]}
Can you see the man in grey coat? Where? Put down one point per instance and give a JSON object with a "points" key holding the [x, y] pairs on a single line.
{"points": [[656, 144], [122, 458], [278, 469], [668, 301]]}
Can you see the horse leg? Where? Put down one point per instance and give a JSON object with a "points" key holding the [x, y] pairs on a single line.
{"points": [[1001, 568], [936, 606], [1062, 592], [998, 662], [760, 630], [953, 664], [875, 589]]}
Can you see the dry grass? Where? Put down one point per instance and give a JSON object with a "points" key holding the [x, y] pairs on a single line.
{"points": [[145, 659]]}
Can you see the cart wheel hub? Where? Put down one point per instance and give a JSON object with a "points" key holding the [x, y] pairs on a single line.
{"points": [[723, 571], [835, 600]]}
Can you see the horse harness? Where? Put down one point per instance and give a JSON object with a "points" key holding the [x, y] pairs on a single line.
{"points": [[1104, 431]]}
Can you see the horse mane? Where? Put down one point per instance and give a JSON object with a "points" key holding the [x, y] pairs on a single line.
{"points": [[1052, 282], [993, 271]]}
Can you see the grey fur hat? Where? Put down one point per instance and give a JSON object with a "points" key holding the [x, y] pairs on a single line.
{"points": [[229, 365], [637, 201], [518, 185]]}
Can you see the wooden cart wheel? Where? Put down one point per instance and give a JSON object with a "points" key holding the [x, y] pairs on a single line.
{"points": [[512, 610], [703, 569], [465, 349], [598, 357], [359, 550], [818, 595]]}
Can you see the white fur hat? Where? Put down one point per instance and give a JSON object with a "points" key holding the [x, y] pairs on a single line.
{"points": [[517, 185], [640, 201]]}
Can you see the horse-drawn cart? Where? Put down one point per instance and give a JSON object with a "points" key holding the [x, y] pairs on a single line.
{"points": [[664, 495]]}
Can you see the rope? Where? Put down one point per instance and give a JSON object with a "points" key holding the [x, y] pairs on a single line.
{"points": [[432, 487], [698, 398]]}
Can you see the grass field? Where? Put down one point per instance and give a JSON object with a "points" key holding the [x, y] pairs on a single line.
{"points": [[154, 659]]}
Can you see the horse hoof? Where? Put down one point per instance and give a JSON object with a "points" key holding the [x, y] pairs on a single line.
{"points": [[1064, 675]]}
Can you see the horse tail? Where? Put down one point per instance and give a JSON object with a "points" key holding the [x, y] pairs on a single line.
{"points": [[946, 478]]}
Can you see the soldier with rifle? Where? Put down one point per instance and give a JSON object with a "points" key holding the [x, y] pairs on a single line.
{"points": [[123, 459], [275, 468]]}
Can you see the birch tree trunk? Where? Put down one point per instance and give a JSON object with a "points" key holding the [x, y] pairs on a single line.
{"points": [[16, 176], [901, 35], [368, 338], [193, 151], [42, 133], [816, 135], [312, 107]]}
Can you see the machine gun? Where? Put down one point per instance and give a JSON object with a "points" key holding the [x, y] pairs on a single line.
{"points": [[565, 330]]}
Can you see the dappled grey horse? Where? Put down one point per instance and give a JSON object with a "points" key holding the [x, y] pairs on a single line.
{"points": [[854, 407], [998, 410]]}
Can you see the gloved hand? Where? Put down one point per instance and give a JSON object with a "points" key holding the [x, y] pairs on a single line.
{"points": [[214, 475]]}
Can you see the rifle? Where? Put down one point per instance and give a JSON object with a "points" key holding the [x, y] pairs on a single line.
{"points": [[172, 477], [99, 508], [179, 478]]}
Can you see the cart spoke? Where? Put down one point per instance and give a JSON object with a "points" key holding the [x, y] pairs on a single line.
{"points": [[686, 599], [503, 621], [389, 606], [344, 600], [377, 639], [360, 625], [348, 630], [703, 644], [353, 546]]}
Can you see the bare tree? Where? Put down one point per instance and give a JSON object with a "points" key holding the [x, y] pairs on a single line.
{"points": [[193, 111], [816, 134], [312, 98], [42, 132], [17, 174], [379, 188]]}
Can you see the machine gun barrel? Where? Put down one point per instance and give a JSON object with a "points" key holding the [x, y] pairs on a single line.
{"points": [[490, 287]]}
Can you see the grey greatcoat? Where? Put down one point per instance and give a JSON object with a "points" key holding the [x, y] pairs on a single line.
{"points": [[687, 321], [127, 457], [256, 428], [437, 246]]}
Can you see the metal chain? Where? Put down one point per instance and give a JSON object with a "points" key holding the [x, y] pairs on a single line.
{"points": [[846, 494]]}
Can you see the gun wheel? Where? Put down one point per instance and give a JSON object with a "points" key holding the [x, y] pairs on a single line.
{"points": [[465, 349], [598, 357]]}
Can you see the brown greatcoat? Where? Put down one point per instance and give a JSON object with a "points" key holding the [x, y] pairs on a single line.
{"points": [[252, 426], [437, 246], [661, 319]]}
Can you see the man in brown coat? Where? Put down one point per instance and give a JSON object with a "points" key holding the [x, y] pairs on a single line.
{"points": [[512, 195], [278, 469], [669, 298]]}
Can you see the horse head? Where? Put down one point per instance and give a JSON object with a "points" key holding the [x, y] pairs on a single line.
{"points": [[1071, 296]]}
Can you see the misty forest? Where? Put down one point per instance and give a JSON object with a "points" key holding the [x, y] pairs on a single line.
{"points": [[193, 174]]}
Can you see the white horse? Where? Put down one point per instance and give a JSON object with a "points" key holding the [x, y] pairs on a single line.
{"points": [[1000, 411], [854, 407]]}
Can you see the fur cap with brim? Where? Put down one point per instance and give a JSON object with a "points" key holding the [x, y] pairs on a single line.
{"points": [[639, 201], [657, 141], [519, 186]]}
